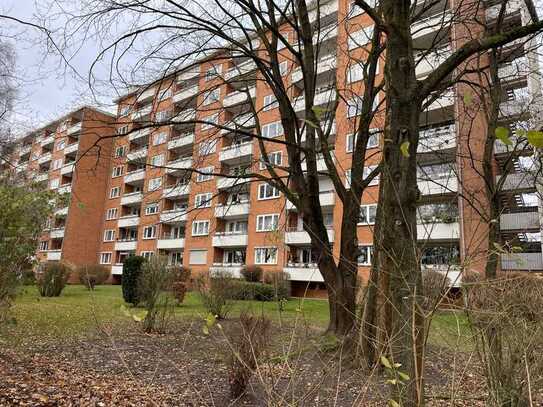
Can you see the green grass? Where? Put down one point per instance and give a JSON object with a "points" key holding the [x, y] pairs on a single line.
{"points": [[78, 312]]}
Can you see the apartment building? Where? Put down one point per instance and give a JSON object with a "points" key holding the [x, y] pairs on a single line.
{"points": [[70, 156], [219, 223]]}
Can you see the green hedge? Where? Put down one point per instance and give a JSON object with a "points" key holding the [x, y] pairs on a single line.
{"points": [[131, 273], [244, 290]]}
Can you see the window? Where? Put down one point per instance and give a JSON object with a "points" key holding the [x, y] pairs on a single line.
{"points": [[234, 256], [105, 258], [163, 115], [54, 183], [151, 209], [164, 94], [154, 184], [157, 160], [207, 147], [109, 235], [266, 223], [211, 96], [266, 255], [280, 43], [272, 130], [61, 144], [213, 72], [122, 130], [354, 106], [373, 140], [147, 255], [115, 192], [175, 258], [270, 102], [355, 73], [149, 232], [203, 200], [57, 164], [198, 257], [364, 255], [283, 68], [274, 159], [359, 38], [367, 172], [236, 227], [117, 171], [212, 121], [205, 174], [266, 191], [124, 110], [159, 138], [44, 244], [200, 228], [367, 214], [111, 213], [120, 151]]}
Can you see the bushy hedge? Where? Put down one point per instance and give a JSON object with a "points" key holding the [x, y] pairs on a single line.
{"points": [[52, 278], [92, 275], [251, 273], [131, 273], [244, 290]]}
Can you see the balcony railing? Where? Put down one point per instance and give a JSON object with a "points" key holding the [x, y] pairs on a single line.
{"points": [[236, 151], [76, 128], [181, 141], [438, 138], [522, 261]]}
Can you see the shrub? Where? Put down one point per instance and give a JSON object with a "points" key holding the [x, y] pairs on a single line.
{"points": [[251, 273], [280, 282], [52, 278], [8, 288], [181, 278], [247, 343], [129, 282], [216, 293], [434, 285], [28, 277], [92, 275]]}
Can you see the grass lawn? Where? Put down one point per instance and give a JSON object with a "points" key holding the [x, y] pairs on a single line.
{"points": [[78, 312]]}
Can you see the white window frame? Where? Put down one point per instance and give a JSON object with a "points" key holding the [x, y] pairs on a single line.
{"points": [[154, 184], [203, 200], [120, 151], [360, 38], [202, 176], [213, 120], [283, 68], [261, 253], [211, 96], [54, 183], [159, 138], [106, 257], [122, 130], [152, 208], [262, 192], [275, 158], [149, 232], [267, 222], [147, 254], [207, 147], [270, 103], [200, 224], [43, 245], [157, 160], [366, 208], [369, 256], [373, 141], [61, 144], [117, 171], [114, 192], [124, 110], [109, 235], [111, 214], [272, 130]]}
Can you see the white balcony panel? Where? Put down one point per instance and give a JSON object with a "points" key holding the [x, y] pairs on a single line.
{"points": [[137, 154], [232, 210], [233, 270], [71, 148], [429, 61], [61, 212], [241, 69], [301, 273], [445, 100], [325, 34], [127, 245], [67, 168], [57, 233], [512, 6], [323, 10], [174, 216], [142, 113], [185, 94], [300, 237], [522, 261], [439, 187], [25, 150], [54, 255], [519, 181], [226, 182], [171, 243], [321, 98], [438, 138], [236, 152], [182, 141], [44, 158], [184, 116], [326, 198], [139, 134], [323, 65], [183, 163], [515, 107], [519, 221], [117, 269], [47, 140], [438, 231], [135, 176], [246, 121], [146, 95], [431, 24], [321, 164], [185, 76], [515, 69], [128, 221], [76, 128], [238, 97], [452, 272], [134, 197], [176, 191], [230, 240], [64, 189], [44, 176]]}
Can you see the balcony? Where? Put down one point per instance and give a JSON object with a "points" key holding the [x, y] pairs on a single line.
{"points": [[303, 272], [232, 210], [516, 107], [54, 255], [132, 198], [128, 221], [246, 120], [71, 148], [297, 236], [321, 164], [237, 97], [321, 98], [516, 69], [439, 186], [44, 158], [324, 127], [181, 141], [431, 24], [176, 191], [143, 113], [326, 33], [139, 154], [168, 242], [519, 181], [230, 239], [227, 182], [179, 164], [126, 245], [233, 269], [445, 100], [185, 76], [65, 189], [47, 140], [67, 168], [438, 138], [452, 272], [57, 233], [24, 150], [185, 94], [520, 221], [326, 198], [428, 61], [438, 231], [236, 152], [146, 95], [174, 216], [117, 269], [184, 116], [512, 6], [139, 134], [323, 65], [522, 261], [135, 176], [76, 128], [242, 69], [41, 177]]}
